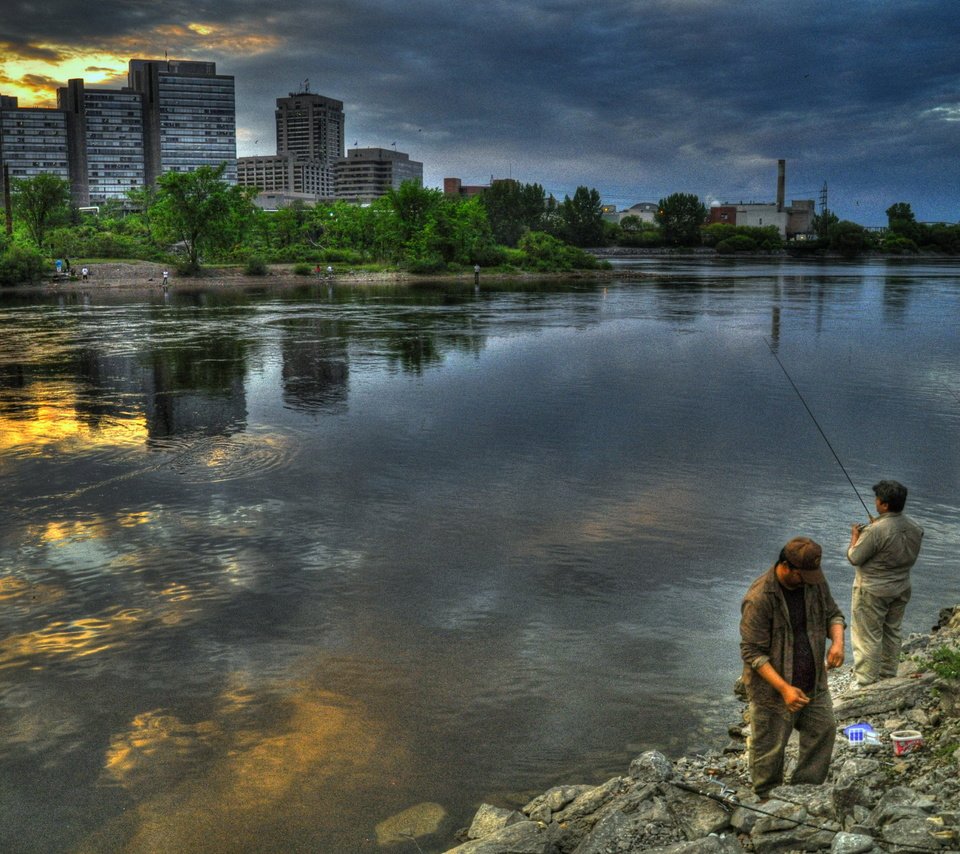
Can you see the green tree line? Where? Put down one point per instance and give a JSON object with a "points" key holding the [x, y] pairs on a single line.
{"points": [[196, 218]]}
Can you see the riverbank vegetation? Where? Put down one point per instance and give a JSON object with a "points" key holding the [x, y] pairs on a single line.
{"points": [[196, 218]]}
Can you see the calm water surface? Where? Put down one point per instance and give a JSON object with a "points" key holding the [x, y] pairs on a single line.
{"points": [[278, 566]]}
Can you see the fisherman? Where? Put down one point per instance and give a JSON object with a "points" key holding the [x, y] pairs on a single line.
{"points": [[786, 617], [883, 552]]}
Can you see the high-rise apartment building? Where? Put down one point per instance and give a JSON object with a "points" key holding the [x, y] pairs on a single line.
{"points": [[190, 117], [366, 174], [310, 126], [174, 116], [105, 130], [310, 133], [32, 140]]}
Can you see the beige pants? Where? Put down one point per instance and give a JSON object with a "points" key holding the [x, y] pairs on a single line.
{"points": [[875, 634]]}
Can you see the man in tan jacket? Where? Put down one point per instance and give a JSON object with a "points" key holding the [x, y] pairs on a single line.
{"points": [[883, 553]]}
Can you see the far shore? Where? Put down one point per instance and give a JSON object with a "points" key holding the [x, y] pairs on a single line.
{"points": [[148, 275]]}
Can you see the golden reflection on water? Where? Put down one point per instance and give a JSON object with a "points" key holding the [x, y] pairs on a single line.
{"points": [[662, 508], [57, 426], [274, 768], [69, 640]]}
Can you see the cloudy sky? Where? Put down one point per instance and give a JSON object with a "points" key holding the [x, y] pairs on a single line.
{"points": [[638, 98]]}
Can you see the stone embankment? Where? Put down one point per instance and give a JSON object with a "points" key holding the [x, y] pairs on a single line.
{"points": [[873, 801]]}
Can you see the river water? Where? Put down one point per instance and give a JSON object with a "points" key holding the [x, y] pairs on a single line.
{"points": [[278, 565]]}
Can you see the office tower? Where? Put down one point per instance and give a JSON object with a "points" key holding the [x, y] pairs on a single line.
{"points": [[32, 140], [189, 116], [311, 127], [366, 174], [105, 130]]}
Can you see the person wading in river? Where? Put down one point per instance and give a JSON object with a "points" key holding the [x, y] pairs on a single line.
{"points": [[786, 617], [883, 553]]}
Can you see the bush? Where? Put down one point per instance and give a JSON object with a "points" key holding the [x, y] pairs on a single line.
{"points": [[255, 266], [945, 662], [302, 269], [547, 254], [897, 244], [737, 243], [717, 232], [20, 265]]}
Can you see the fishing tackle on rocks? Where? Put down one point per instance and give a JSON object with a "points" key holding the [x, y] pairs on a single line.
{"points": [[817, 423]]}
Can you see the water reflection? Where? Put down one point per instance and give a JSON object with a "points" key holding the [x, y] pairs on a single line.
{"points": [[315, 564]]}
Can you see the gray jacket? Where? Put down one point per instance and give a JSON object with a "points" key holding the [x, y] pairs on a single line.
{"points": [[885, 553]]}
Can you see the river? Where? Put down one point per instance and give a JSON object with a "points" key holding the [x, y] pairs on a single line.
{"points": [[279, 564]]}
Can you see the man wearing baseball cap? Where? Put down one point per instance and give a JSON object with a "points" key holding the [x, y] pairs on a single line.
{"points": [[786, 618]]}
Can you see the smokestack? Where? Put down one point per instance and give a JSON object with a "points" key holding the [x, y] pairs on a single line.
{"points": [[781, 184]]}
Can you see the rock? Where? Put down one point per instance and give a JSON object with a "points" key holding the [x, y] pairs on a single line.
{"points": [[553, 800], [651, 767], [816, 800], [697, 816], [708, 845], [420, 820], [851, 843], [882, 697], [779, 815], [524, 837], [590, 801], [910, 832], [615, 832], [490, 819]]}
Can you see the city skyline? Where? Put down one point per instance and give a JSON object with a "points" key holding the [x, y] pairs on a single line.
{"points": [[638, 99]]}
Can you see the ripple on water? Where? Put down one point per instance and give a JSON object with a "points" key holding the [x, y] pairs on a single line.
{"points": [[215, 459]]}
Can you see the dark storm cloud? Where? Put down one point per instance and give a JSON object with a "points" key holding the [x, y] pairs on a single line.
{"points": [[638, 98]]}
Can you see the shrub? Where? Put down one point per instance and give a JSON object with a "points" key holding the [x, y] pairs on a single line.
{"points": [[543, 252], [737, 243], [302, 269], [255, 266], [945, 662], [897, 244], [22, 265]]}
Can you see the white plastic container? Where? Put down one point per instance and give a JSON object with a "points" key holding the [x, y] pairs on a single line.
{"points": [[905, 740]]}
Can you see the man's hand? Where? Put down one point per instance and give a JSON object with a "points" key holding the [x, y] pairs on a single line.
{"points": [[794, 698], [835, 656]]}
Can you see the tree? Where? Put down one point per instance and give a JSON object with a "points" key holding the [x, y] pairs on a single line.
{"points": [[40, 202], [823, 222], [848, 238], [513, 209], [680, 217], [201, 211], [581, 218], [901, 221]]}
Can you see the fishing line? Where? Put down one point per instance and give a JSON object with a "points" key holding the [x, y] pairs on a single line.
{"points": [[810, 413]]}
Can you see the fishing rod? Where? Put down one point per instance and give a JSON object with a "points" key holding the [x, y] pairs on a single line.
{"points": [[810, 413]]}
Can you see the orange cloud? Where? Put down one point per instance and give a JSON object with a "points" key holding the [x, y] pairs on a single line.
{"points": [[33, 72]]}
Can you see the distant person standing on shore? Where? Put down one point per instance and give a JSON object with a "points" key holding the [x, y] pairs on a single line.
{"points": [[83, 273], [786, 617], [883, 552]]}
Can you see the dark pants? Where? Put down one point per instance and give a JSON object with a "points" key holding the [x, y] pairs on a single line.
{"points": [[769, 733]]}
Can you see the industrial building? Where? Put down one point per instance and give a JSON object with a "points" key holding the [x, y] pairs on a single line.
{"points": [[792, 221]]}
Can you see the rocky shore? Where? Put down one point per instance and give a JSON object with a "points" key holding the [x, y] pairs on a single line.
{"points": [[875, 799]]}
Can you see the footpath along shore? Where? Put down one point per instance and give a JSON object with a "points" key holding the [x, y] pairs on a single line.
{"points": [[875, 800], [148, 275]]}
